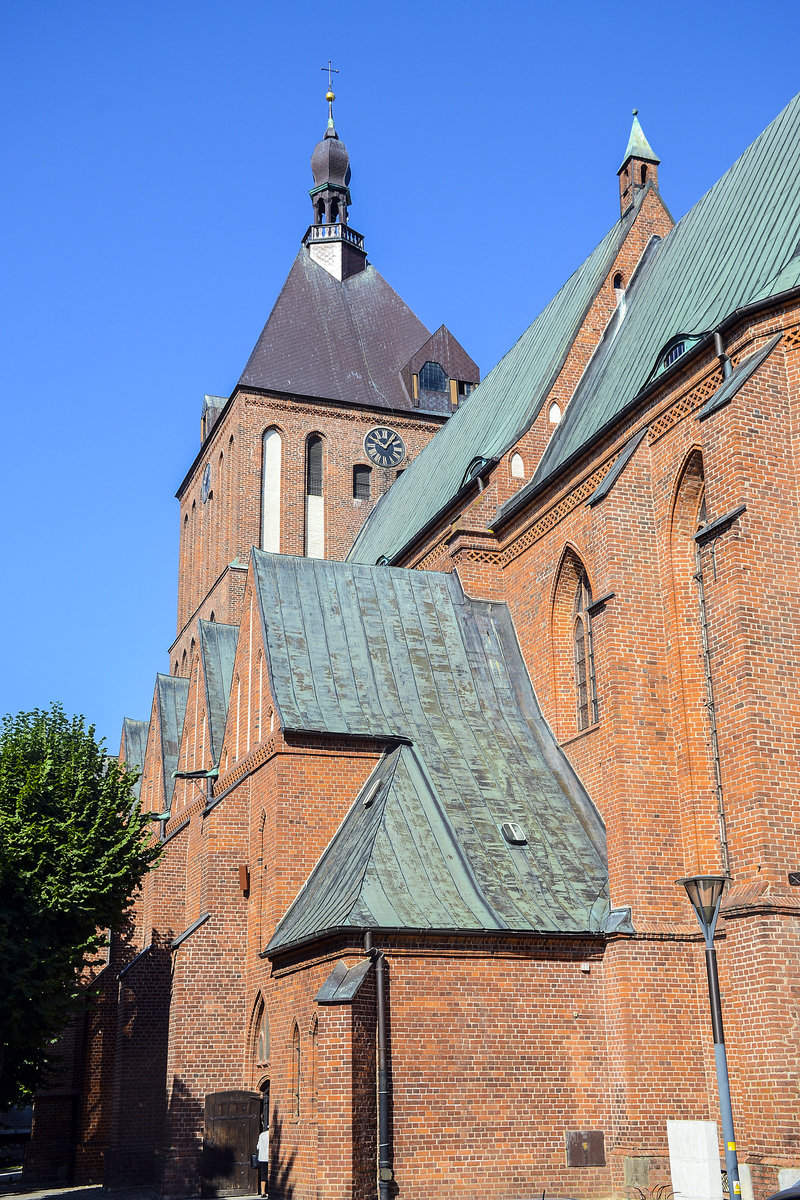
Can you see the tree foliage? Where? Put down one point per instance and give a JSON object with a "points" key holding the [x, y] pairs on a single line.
{"points": [[74, 847]]}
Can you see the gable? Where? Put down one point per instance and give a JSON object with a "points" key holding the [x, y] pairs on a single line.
{"points": [[133, 748], [217, 653]]}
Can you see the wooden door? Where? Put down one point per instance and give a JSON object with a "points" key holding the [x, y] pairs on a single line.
{"points": [[232, 1126]]}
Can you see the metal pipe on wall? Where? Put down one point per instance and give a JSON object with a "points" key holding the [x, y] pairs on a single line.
{"points": [[385, 1171]]}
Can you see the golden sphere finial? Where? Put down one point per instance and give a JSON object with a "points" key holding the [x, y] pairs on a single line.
{"points": [[329, 96]]}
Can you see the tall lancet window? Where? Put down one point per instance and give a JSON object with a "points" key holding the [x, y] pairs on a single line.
{"points": [[585, 685], [271, 491], [315, 500]]}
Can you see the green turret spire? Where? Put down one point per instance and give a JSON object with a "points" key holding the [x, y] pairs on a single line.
{"points": [[638, 145]]}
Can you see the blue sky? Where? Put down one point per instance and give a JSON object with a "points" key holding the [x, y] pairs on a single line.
{"points": [[156, 161]]}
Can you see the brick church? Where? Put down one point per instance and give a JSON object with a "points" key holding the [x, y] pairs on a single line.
{"points": [[466, 675]]}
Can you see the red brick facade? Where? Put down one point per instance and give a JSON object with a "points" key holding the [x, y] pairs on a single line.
{"points": [[499, 1046]]}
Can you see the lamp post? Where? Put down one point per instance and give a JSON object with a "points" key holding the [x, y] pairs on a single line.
{"points": [[705, 894]]}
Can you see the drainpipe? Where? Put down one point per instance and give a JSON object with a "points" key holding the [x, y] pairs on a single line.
{"points": [[719, 350], [385, 1172], [710, 706]]}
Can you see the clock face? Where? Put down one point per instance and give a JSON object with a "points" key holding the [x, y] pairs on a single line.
{"points": [[384, 447], [205, 486]]}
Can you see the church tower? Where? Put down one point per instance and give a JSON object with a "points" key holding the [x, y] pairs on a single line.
{"points": [[344, 387]]}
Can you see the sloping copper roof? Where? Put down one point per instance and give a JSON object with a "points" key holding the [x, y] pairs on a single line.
{"points": [[391, 654]]}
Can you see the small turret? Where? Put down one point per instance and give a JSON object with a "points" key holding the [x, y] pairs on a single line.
{"points": [[330, 166], [639, 166], [330, 240]]}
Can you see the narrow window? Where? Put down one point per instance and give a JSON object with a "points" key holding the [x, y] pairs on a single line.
{"points": [[585, 686], [618, 284], [262, 1041], [315, 511], [517, 467], [554, 413], [314, 466], [644, 173], [361, 482], [296, 1071], [271, 491]]}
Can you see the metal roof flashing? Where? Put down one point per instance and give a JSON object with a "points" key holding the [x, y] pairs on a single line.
{"points": [[738, 377]]}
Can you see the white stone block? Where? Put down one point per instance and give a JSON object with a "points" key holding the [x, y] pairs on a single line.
{"points": [[694, 1160]]}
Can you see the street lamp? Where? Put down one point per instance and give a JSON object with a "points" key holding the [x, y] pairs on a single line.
{"points": [[705, 894]]}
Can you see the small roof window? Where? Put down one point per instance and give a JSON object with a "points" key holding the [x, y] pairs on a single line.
{"points": [[675, 351], [513, 833]]}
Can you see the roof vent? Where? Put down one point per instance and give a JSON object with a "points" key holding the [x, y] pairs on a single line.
{"points": [[372, 792], [513, 833]]}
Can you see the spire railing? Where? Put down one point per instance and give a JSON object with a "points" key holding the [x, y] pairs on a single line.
{"points": [[334, 232]]}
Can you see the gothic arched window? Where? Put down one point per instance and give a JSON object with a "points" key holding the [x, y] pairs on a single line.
{"points": [[585, 686], [262, 1040], [315, 510], [296, 1071], [271, 491]]}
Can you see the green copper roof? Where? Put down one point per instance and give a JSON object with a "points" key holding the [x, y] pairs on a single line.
{"points": [[218, 649], [405, 655], [500, 409], [739, 244], [172, 693], [638, 145], [134, 735]]}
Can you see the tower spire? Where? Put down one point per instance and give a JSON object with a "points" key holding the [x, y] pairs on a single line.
{"points": [[330, 240], [639, 165]]}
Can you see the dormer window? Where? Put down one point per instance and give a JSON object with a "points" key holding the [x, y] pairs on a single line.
{"points": [[432, 378], [474, 469], [674, 353]]}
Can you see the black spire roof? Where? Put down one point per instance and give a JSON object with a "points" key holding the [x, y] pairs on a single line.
{"points": [[345, 340]]}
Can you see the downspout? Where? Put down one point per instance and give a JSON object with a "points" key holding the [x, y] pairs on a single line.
{"points": [[710, 706], [719, 350], [385, 1172]]}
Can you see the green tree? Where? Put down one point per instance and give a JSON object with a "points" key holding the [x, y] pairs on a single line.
{"points": [[74, 847]]}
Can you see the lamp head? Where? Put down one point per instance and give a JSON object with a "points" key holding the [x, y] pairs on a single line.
{"points": [[705, 894]]}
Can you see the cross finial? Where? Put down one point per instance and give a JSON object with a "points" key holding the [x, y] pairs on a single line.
{"points": [[331, 71], [330, 97]]}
